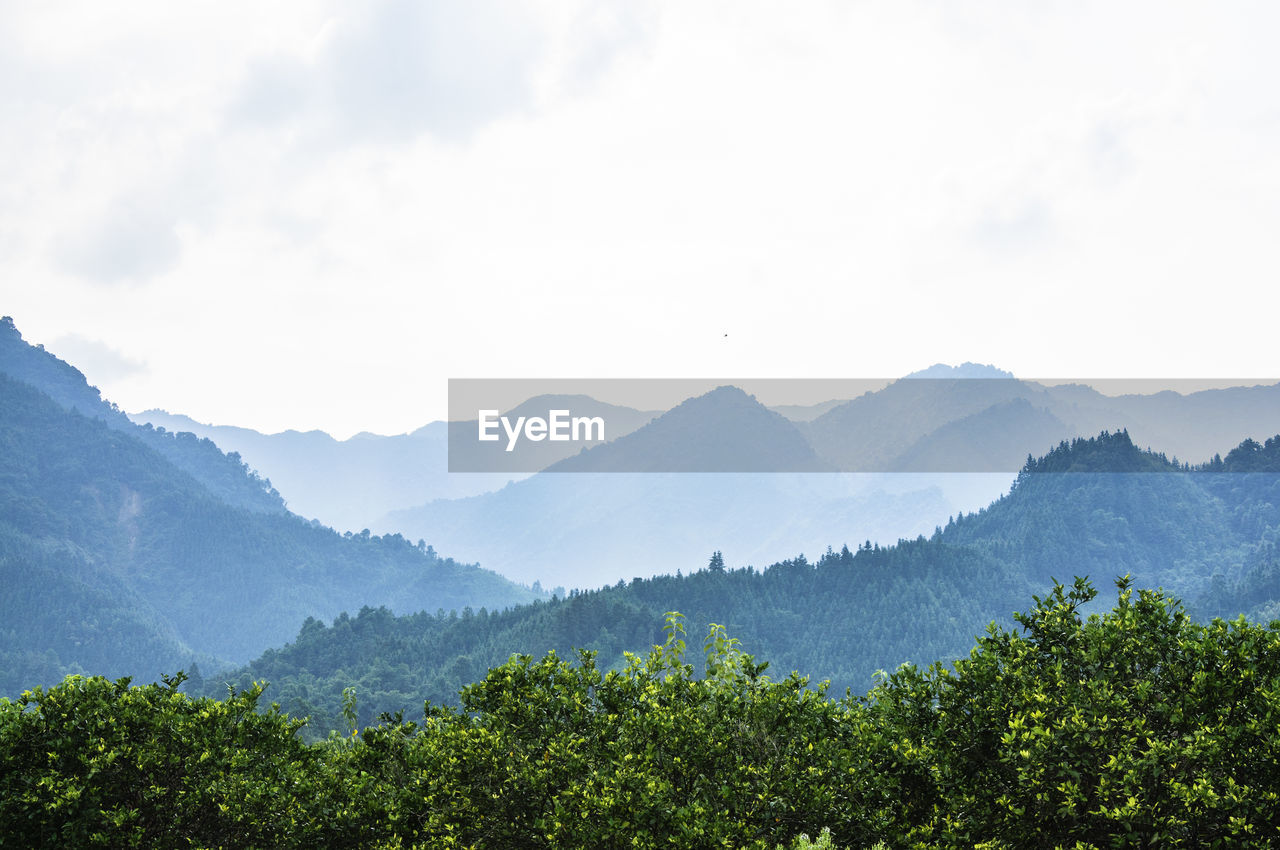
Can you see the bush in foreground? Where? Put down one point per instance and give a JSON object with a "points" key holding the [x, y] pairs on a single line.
{"points": [[1137, 727]]}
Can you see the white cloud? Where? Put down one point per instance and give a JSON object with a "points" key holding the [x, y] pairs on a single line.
{"points": [[99, 361], [393, 69], [359, 201], [128, 241]]}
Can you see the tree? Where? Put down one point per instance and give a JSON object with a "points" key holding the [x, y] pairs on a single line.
{"points": [[1140, 727], [93, 762]]}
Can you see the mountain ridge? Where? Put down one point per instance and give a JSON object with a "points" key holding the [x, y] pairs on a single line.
{"points": [[1200, 532], [135, 566], [225, 475], [724, 430]]}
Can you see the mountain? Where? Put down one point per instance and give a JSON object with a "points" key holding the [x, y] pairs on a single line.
{"points": [[225, 476], [1205, 533], [352, 484], [724, 430], [874, 431], [467, 454], [992, 440], [584, 530], [116, 561], [806, 412], [963, 436], [967, 371], [578, 524], [938, 421], [346, 484]]}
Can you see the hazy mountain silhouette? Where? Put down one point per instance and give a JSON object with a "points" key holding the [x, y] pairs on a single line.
{"points": [[227, 477], [993, 440], [966, 370], [806, 412], [582, 532], [978, 423], [468, 454], [593, 529], [871, 432], [347, 484], [115, 560], [724, 430]]}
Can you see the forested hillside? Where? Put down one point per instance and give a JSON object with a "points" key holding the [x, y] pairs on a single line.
{"points": [[1207, 534], [224, 475], [115, 561], [951, 423], [350, 484], [588, 530]]}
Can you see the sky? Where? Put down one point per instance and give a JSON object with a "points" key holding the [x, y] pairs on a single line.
{"points": [[313, 214]]}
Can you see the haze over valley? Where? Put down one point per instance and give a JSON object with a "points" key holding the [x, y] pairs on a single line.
{"points": [[635, 423]]}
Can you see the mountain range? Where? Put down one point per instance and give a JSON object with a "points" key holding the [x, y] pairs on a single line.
{"points": [[963, 431], [752, 485], [1099, 507], [128, 550], [349, 484]]}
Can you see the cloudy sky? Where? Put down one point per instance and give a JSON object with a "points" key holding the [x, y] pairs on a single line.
{"points": [[312, 214]]}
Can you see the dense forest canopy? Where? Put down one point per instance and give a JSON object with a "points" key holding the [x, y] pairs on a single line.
{"points": [[1138, 727]]}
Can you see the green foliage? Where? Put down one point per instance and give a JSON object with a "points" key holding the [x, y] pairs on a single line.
{"points": [[822, 842], [349, 712], [1139, 727], [397, 663], [550, 753], [118, 562], [96, 763]]}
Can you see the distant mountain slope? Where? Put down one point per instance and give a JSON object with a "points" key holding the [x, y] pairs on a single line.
{"points": [[1204, 533], [579, 525], [991, 440], [872, 432], [63, 614], [346, 484], [806, 412], [966, 370], [352, 484], [469, 455], [96, 527], [937, 421], [1103, 506], [224, 475], [724, 430], [584, 530]]}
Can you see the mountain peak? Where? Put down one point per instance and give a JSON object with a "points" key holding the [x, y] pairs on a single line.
{"points": [[52, 375], [722, 396], [966, 370], [1110, 451], [224, 476], [724, 430]]}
